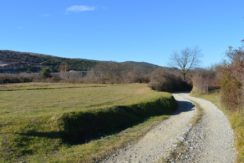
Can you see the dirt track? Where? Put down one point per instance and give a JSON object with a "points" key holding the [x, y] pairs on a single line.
{"points": [[177, 140]]}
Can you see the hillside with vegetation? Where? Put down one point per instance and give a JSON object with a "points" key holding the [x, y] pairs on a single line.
{"points": [[15, 62]]}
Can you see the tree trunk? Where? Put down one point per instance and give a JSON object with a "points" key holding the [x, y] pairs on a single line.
{"points": [[184, 76]]}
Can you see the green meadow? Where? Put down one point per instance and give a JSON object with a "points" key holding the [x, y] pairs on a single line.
{"points": [[39, 121]]}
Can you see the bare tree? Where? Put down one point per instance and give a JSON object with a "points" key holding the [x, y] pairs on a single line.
{"points": [[201, 82], [186, 60], [109, 72], [63, 68]]}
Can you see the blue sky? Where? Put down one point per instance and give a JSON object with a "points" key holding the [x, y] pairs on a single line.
{"points": [[120, 30]]}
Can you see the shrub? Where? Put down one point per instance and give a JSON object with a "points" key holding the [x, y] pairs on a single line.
{"points": [[230, 91], [46, 73], [17, 78], [200, 85], [203, 81], [231, 77], [105, 73], [112, 72], [163, 80]]}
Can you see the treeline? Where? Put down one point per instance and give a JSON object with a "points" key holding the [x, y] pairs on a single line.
{"points": [[158, 78], [44, 68], [111, 73], [17, 78]]}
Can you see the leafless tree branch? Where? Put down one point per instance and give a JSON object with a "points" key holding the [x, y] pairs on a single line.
{"points": [[186, 60]]}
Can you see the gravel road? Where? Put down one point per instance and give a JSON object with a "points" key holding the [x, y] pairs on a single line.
{"points": [[178, 140], [211, 140]]}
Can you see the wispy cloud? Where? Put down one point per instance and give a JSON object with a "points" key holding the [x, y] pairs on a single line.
{"points": [[80, 8]]}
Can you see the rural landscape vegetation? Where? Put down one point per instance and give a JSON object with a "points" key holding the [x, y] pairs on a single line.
{"points": [[65, 109]]}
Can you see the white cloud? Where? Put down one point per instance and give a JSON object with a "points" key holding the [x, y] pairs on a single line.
{"points": [[80, 8]]}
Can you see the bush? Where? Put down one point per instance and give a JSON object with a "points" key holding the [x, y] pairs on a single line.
{"points": [[200, 85], [105, 73], [204, 81], [83, 126], [231, 77], [112, 72], [162, 80], [46, 73], [17, 78], [230, 91]]}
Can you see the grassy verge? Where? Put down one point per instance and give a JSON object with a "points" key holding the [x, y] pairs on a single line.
{"points": [[82, 126], [36, 119], [100, 148], [237, 121]]}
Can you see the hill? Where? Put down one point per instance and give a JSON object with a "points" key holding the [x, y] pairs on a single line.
{"points": [[14, 62]]}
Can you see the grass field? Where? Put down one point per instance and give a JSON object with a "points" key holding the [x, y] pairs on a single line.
{"points": [[30, 116], [237, 121]]}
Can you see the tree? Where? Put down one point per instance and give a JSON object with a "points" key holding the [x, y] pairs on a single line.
{"points": [[63, 68], [200, 81], [46, 73], [231, 76], [109, 72], [186, 60]]}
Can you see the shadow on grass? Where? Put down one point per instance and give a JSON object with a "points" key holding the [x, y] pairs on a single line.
{"points": [[78, 138]]}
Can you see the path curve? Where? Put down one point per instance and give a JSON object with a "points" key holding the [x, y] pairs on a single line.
{"points": [[210, 140]]}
